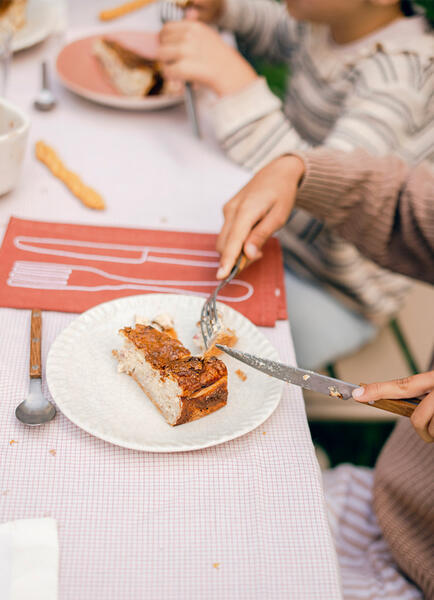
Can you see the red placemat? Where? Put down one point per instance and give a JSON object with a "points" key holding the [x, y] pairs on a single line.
{"points": [[70, 268]]}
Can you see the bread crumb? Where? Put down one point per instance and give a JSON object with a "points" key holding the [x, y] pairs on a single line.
{"points": [[52, 452], [216, 565], [264, 433], [306, 377], [241, 374], [334, 393], [5, 492], [12, 442]]}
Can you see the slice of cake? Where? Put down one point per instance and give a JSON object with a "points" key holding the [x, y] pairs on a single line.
{"points": [[131, 73], [183, 387], [13, 12]]}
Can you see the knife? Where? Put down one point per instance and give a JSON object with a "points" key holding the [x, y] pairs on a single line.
{"points": [[309, 380]]}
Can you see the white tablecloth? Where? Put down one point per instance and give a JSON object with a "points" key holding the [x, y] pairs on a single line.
{"points": [[245, 520]]}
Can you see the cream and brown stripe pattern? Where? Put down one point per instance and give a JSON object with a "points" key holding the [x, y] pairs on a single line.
{"points": [[376, 94]]}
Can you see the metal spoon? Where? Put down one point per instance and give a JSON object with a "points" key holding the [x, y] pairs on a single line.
{"points": [[35, 409], [45, 99]]}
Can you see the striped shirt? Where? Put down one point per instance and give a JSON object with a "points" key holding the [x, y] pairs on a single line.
{"points": [[376, 93]]}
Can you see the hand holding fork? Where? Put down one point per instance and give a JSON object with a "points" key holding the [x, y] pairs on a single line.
{"points": [[172, 11]]}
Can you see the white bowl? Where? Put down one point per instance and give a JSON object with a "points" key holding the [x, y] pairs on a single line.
{"points": [[14, 129]]}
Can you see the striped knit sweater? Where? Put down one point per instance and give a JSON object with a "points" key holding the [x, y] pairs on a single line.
{"points": [[376, 94]]}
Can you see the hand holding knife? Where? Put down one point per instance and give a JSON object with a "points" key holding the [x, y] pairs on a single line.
{"points": [[309, 380]]}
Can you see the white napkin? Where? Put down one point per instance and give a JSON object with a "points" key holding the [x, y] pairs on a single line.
{"points": [[29, 560]]}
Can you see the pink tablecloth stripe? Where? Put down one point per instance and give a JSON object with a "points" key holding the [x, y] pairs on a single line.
{"points": [[245, 520]]}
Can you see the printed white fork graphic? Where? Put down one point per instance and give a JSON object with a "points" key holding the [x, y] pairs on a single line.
{"points": [[146, 253], [54, 276]]}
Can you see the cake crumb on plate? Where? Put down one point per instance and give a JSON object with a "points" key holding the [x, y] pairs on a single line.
{"points": [[241, 374]]}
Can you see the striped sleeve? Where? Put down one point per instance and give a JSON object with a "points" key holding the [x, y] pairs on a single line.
{"points": [[264, 27], [387, 109], [377, 203], [252, 127]]}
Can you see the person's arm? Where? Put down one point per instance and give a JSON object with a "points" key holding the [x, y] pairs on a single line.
{"points": [[380, 114], [419, 385], [378, 204]]}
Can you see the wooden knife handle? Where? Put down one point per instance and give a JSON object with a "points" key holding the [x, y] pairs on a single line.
{"points": [[399, 407], [35, 344]]}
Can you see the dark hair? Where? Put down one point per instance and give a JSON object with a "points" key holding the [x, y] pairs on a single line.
{"points": [[407, 8]]}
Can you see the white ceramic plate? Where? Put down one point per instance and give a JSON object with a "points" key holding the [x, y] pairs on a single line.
{"points": [[41, 16], [83, 379]]}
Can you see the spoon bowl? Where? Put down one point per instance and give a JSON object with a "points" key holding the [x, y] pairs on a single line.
{"points": [[35, 409]]}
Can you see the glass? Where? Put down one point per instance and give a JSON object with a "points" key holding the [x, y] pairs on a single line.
{"points": [[6, 34]]}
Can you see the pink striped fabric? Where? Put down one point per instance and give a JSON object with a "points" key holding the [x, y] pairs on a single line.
{"points": [[367, 567]]}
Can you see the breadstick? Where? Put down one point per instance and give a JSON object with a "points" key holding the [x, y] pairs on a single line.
{"points": [[123, 9], [88, 196]]}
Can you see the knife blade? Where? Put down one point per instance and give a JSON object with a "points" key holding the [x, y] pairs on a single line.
{"points": [[308, 380]]}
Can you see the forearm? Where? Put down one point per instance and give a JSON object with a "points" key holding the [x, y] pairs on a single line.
{"points": [[252, 127], [375, 203]]}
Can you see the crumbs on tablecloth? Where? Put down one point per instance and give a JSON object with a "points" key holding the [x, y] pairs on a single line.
{"points": [[334, 393], [216, 565], [306, 377], [5, 492], [241, 374], [264, 433], [52, 452], [12, 442]]}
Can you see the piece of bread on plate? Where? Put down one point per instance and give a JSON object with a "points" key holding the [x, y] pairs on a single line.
{"points": [[13, 12], [183, 387], [131, 73]]}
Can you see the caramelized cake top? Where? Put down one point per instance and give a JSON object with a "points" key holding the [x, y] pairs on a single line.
{"points": [[169, 356]]}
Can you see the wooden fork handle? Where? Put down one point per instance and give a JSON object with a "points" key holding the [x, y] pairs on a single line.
{"points": [[399, 407], [35, 344], [243, 262]]}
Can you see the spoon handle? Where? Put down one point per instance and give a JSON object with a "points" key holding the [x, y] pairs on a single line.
{"points": [[35, 344], [45, 84]]}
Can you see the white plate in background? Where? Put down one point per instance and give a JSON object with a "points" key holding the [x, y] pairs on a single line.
{"points": [[41, 19]]}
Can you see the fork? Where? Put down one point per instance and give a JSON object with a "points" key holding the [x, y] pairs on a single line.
{"points": [[209, 319], [170, 10]]}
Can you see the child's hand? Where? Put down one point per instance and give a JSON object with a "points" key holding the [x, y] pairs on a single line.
{"points": [[207, 11], [410, 387], [258, 210], [192, 51]]}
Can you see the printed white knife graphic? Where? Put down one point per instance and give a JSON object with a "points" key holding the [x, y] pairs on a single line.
{"points": [[176, 256], [55, 276]]}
